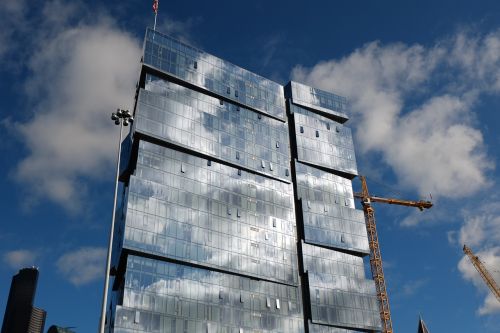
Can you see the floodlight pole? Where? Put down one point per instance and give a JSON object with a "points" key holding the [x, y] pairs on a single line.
{"points": [[121, 117]]}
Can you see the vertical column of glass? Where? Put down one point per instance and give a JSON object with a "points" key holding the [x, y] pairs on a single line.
{"points": [[333, 234], [208, 238]]}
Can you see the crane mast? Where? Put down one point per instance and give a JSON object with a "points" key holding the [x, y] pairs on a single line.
{"points": [[490, 282], [375, 255], [377, 269]]}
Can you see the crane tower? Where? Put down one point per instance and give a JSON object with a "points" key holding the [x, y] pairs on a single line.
{"points": [[375, 256], [488, 279]]}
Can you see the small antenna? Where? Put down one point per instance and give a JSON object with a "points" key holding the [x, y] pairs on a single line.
{"points": [[155, 10]]}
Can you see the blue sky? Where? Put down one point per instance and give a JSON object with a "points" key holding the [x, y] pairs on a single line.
{"points": [[423, 78]]}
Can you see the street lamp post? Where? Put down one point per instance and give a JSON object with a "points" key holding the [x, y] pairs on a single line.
{"points": [[122, 118]]}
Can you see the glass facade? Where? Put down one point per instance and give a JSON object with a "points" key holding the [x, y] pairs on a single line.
{"points": [[333, 106], [335, 226], [315, 185], [323, 142], [213, 74], [213, 215], [168, 297], [334, 233], [237, 212], [209, 125], [343, 301]]}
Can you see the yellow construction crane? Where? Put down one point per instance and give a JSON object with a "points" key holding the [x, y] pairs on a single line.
{"points": [[375, 257], [490, 282]]}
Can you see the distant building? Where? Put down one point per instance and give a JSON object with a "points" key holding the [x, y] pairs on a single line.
{"points": [[57, 329], [20, 315], [421, 326]]}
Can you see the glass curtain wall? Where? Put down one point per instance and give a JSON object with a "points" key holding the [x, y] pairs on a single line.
{"points": [[333, 242], [236, 216], [207, 238]]}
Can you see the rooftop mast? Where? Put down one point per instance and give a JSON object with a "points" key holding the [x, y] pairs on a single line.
{"points": [[155, 10]]}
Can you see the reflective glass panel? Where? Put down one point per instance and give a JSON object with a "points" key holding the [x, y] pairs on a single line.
{"points": [[318, 145], [213, 74], [196, 121], [334, 106], [335, 226], [159, 296], [179, 207]]}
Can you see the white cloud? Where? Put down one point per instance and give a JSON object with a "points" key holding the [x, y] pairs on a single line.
{"points": [[414, 106], [79, 75], [439, 212], [481, 232], [82, 266], [81, 68], [12, 6], [11, 16], [20, 258], [481, 226], [478, 58], [490, 306], [410, 288]]}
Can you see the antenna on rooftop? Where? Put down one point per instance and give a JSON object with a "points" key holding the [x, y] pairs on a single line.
{"points": [[155, 9]]}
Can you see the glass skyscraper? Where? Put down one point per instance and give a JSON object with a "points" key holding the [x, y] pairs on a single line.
{"points": [[237, 212]]}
